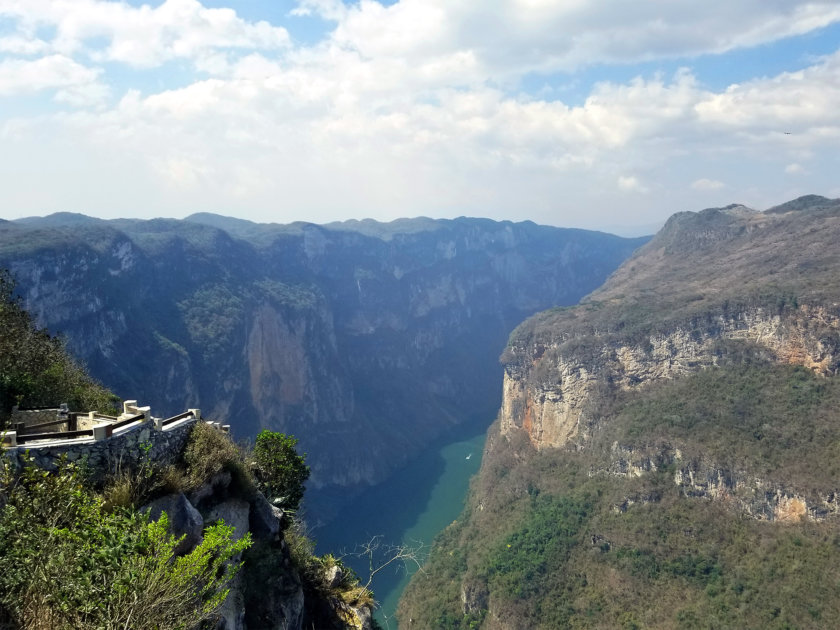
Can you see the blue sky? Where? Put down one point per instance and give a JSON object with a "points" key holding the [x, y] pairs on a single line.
{"points": [[598, 114]]}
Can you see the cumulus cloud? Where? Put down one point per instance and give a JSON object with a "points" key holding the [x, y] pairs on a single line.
{"points": [[142, 36], [20, 76], [414, 107]]}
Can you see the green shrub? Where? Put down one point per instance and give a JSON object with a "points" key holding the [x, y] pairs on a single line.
{"points": [[35, 368], [65, 562], [279, 469]]}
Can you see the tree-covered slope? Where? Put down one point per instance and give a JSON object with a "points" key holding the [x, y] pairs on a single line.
{"points": [[666, 453]]}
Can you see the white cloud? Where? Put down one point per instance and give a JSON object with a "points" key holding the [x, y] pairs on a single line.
{"points": [[21, 76], [414, 108], [794, 169], [706, 184], [517, 36], [20, 45], [142, 36]]}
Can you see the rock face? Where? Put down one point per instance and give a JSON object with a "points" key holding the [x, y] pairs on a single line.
{"points": [[712, 288], [551, 406], [364, 340], [267, 592], [184, 520]]}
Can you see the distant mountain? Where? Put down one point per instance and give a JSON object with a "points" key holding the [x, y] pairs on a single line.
{"points": [[666, 455], [366, 340]]}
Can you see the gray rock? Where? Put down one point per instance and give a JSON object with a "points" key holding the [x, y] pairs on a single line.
{"points": [[365, 617], [264, 518], [474, 596], [232, 611], [333, 575], [219, 481], [184, 520], [233, 512]]}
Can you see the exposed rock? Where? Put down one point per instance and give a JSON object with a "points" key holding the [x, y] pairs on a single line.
{"points": [[550, 403], [233, 512], [219, 482], [333, 575], [474, 596], [184, 520], [264, 518]]}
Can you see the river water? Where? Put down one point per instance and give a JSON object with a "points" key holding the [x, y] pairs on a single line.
{"points": [[410, 508]]}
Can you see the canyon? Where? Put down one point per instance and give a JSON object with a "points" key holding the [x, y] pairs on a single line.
{"points": [[365, 340]]}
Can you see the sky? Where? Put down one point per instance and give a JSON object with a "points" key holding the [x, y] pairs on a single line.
{"points": [[601, 114]]}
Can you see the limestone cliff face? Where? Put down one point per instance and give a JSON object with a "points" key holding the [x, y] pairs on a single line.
{"points": [[546, 391], [703, 478], [712, 288]]}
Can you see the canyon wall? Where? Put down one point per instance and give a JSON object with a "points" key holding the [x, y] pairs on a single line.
{"points": [[365, 340]]}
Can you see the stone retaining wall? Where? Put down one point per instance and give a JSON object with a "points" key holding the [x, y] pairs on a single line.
{"points": [[125, 449]]}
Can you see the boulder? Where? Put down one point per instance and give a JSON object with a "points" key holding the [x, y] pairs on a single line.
{"points": [[264, 518], [233, 512], [184, 520], [333, 576], [216, 485]]}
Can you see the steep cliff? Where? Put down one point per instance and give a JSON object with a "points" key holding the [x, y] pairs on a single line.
{"points": [[666, 448], [366, 340], [707, 278]]}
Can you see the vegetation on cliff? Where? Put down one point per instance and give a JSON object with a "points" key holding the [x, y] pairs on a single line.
{"points": [[66, 561], [309, 330], [699, 267], [78, 548], [595, 538], [35, 369]]}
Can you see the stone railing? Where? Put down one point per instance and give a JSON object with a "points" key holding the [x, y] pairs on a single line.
{"points": [[108, 445]]}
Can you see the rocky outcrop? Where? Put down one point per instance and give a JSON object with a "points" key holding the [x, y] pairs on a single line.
{"points": [[546, 391], [753, 496], [267, 592], [185, 522]]}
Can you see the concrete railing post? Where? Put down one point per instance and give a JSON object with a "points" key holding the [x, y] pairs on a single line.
{"points": [[100, 432]]}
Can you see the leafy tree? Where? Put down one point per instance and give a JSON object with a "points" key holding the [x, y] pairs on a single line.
{"points": [[279, 469]]}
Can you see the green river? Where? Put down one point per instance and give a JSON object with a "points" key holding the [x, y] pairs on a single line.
{"points": [[409, 508]]}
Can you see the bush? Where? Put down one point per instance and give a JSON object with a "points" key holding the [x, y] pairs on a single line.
{"points": [[209, 451], [67, 563], [280, 471]]}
